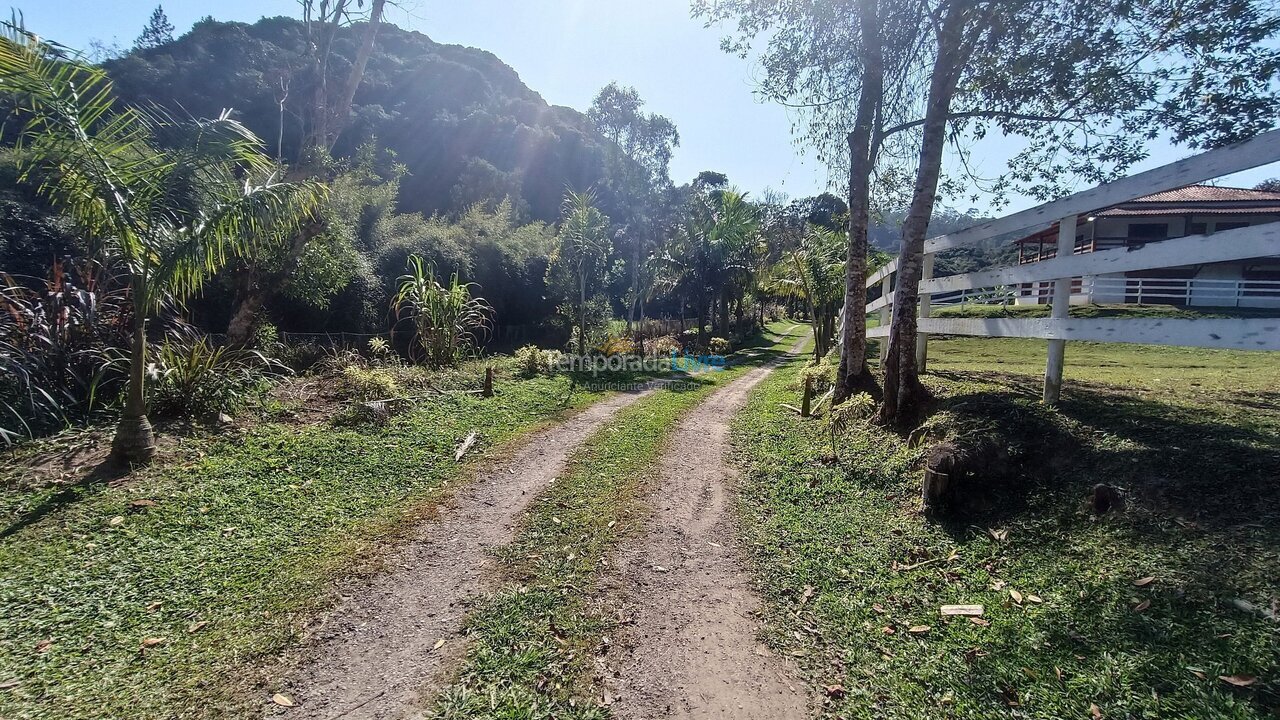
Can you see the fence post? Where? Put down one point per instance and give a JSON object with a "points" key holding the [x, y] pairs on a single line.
{"points": [[1060, 311], [922, 339], [885, 316]]}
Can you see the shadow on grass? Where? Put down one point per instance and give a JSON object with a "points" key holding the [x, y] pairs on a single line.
{"points": [[1202, 514], [1194, 466], [95, 481]]}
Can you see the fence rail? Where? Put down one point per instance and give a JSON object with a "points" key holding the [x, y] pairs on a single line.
{"points": [[1064, 270]]}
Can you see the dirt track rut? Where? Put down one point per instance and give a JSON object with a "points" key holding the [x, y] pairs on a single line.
{"points": [[692, 651], [374, 655]]}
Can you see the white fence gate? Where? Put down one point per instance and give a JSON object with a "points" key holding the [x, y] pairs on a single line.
{"points": [[1239, 244]]}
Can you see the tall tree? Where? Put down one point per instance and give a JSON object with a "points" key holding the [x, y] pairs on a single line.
{"points": [[640, 157], [1091, 80], [326, 116], [175, 199], [157, 32], [843, 65], [1098, 78]]}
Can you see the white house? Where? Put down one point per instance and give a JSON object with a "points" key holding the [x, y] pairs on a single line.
{"points": [[1191, 210]]}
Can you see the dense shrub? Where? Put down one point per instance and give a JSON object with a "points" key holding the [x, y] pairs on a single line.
{"points": [[531, 361], [192, 377], [719, 346], [61, 349], [366, 383], [663, 346]]}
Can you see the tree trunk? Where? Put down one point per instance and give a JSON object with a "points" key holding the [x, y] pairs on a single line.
{"points": [[818, 348], [254, 290], [135, 441], [702, 318], [852, 373], [903, 393], [582, 311], [724, 313], [342, 111]]}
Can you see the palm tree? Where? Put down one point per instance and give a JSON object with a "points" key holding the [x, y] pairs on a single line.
{"points": [[710, 253], [814, 272], [174, 199], [584, 248]]}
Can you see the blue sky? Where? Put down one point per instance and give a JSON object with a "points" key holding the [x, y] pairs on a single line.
{"points": [[567, 50]]}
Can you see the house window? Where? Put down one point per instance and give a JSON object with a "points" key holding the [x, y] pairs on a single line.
{"points": [[1197, 228], [1219, 227], [1147, 232]]}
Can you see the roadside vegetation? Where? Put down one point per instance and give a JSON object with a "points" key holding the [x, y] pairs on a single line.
{"points": [[1165, 606], [534, 642], [164, 592]]}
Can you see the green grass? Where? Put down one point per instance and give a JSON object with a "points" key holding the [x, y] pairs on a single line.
{"points": [[534, 640], [243, 540], [1191, 435]]}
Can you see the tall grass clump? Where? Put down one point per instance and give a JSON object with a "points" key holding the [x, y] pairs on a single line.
{"points": [[447, 321]]}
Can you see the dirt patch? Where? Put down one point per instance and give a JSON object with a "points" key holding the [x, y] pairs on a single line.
{"points": [[692, 649], [378, 653]]}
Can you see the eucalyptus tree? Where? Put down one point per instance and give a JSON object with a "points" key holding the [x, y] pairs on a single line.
{"points": [[324, 116], [639, 160], [843, 65], [580, 260], [173, 199], [1091, 81]]}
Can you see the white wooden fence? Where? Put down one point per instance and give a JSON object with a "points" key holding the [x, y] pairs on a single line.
{"points": [[1228, 245]]}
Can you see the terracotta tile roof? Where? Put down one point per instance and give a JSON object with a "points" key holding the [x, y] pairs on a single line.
{"points": [[1210, 193], [1189, 200], [1200, 199]]}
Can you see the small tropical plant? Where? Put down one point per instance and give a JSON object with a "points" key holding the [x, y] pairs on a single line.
{"points": [[192, 377], [368, 383], [532, 361], [447, 321], [663, 346]]}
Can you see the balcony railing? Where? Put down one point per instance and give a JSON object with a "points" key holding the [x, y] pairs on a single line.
{"points": [[1182, 291]]}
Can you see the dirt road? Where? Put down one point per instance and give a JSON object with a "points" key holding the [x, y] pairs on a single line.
{"points": [[692, 651]]}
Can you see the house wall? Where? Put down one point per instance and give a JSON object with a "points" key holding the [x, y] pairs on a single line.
{"points": [[1114, 232]]}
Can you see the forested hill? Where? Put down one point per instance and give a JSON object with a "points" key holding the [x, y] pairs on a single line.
{"points": [[461, 120]]}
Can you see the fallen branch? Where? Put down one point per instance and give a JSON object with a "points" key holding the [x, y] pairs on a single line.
{"points": [[465, 446]]}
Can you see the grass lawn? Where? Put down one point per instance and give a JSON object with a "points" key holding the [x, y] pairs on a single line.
{"points": [[535, 640], [163, 595], [1139, 613]]}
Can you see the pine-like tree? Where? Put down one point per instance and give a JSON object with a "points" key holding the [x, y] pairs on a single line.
{"points": [[157, 32]]}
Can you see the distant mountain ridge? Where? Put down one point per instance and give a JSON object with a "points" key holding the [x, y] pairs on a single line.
{"points": [[459, 118]]}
